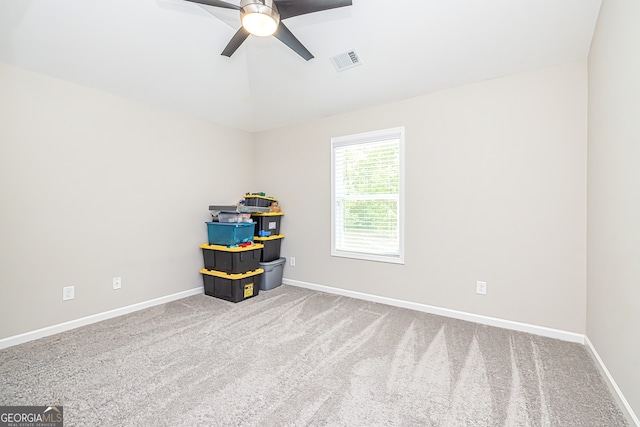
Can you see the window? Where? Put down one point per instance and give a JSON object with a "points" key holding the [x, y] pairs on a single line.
{"points": [[367, 180]]}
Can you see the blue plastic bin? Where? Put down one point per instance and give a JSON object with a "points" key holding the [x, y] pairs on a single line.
{"points": [[229, 233]]}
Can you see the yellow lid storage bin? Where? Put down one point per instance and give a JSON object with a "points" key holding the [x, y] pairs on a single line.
{"points": [[267, 224], [232, 260], [272, 244], [231, 287], [258, 200]]}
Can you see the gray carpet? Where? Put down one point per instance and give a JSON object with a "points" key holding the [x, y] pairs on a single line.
{"points": [[294, 357]]}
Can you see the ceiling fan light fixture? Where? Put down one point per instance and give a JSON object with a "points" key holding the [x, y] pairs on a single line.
{"points": [[258, 18]]}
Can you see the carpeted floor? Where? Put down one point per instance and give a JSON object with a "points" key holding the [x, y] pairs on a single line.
{"points": [[295, 357]]}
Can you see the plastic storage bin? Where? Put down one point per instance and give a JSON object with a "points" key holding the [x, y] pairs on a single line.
{"points": [[258, 200], [272, 244], [229, 234], [231, 260], [231, 287], [234, 217], [272, 276], [268, 223]]}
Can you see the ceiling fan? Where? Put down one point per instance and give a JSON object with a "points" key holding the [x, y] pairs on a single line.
{"points": [[264, 18]]}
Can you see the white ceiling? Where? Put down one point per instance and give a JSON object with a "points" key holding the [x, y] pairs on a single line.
{"points": [[167, 52]]}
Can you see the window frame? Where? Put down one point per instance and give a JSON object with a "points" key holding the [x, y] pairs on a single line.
{"points": [[363, 138]]}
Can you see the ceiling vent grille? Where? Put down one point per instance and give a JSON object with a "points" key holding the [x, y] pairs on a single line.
{"points": [[345, 60]]}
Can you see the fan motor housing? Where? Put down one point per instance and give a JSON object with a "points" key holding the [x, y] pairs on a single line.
{"points": [[264, 13]]}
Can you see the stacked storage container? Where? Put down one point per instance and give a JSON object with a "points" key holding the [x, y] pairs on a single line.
{"points": [[231, 259], [267, 233]]}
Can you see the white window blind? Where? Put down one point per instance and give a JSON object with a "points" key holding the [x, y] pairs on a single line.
{"points": [[367, 202]]}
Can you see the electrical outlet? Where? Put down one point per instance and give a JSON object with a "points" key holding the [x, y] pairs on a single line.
{"points": [[292, 261], [481, 287], [68, 292], [117, 282]]}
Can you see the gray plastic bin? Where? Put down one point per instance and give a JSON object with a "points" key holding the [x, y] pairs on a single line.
{"points": [[272, 277]]}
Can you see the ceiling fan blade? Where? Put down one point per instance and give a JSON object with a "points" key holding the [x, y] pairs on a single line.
{"points": [[285, 36], [290, 8], [216, 3], [235, 42]]}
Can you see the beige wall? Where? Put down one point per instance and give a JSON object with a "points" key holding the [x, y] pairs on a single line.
{"points": [[93, 186], [613, 290], [496, 191]]}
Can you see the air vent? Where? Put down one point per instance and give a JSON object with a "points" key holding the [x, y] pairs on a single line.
{"points": [[346, 60]]}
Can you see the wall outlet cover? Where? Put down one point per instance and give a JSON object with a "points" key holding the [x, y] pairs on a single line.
{"points": [[68, 293], [481, 287]]}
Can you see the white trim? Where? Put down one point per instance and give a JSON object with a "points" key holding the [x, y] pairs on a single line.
{"points": [[477, 318], [94, 318], [612, 382]]}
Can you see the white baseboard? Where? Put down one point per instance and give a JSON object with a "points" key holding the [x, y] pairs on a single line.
{"points": [[631, 415], [62, 327], [477, 318]]}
